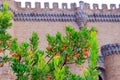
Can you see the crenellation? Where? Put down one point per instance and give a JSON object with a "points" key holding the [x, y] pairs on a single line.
{"points": [[55, 5], [104, 7], [37, 5], [95, 6], [83, 13], [81, 5], [64, 6], [27, 4], [46, 5], [17, 5], [87, 6], [73, 5], [112, 6]]}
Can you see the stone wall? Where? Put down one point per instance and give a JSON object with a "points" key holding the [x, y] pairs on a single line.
{"points": [[111, 53], [108, 32], [50, 20], [23, 30]]}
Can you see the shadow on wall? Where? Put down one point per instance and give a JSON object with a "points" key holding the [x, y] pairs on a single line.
{"points": [[100, 78]]}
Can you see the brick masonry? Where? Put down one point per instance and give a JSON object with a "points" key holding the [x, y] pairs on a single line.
{"points": [[50, 20]]}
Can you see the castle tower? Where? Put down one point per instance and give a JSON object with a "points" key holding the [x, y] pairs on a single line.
{"points": [[111, 53]]}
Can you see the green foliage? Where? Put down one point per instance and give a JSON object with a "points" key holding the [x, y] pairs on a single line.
{"points": [[92, 72], [5, 38], [74, 48], [70, 46], [30, 63]]}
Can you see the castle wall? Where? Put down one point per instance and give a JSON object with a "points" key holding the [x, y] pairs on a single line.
{"points": [[50, 20], [108, 32], [23, 30], [111, 53], [112, 67]]}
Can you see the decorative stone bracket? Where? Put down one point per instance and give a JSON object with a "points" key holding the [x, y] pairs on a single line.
{"points": [[111, 54], [110, 49]]}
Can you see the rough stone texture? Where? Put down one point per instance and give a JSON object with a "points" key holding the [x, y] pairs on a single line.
{"points": [[105, 20], [108, 32], [111, 53], [112, 64], [23, 30]]}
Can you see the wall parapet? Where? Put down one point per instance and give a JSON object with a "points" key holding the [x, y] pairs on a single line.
{"points": [[104, 17], [66, 16], [73, 6], [110, 49], [81, 14]]}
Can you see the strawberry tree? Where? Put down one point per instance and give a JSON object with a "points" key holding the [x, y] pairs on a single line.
{"points": [[30, 63], [92, 73], [74, 47], [5, 38]]}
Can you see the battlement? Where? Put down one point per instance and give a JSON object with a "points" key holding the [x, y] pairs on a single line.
{"points": [[81, 14], [55, 6], [110, 49]]}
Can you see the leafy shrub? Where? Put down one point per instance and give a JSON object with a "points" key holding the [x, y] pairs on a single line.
{"points": [[30, 63]]}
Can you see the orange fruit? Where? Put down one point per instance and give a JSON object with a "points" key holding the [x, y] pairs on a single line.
{"points": [[13, 55], [64, 45], [0, 42], [77, 55], [85, 55], [83, 49], [1, 50], [17, 55], [17, 58], [63, 48], [49, 76], [48, 47], [68, 58], [58, 54]]}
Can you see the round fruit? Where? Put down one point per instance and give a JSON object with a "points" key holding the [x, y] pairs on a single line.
{"points": [[17, 58], [83, 49], [49, 76], [48, 47], [13, 55], [85, 55], [63, 48], [17, 55], [64, 45], [58, 54], [77, 55], [0, 42], [69, 57], [1, 50]]}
